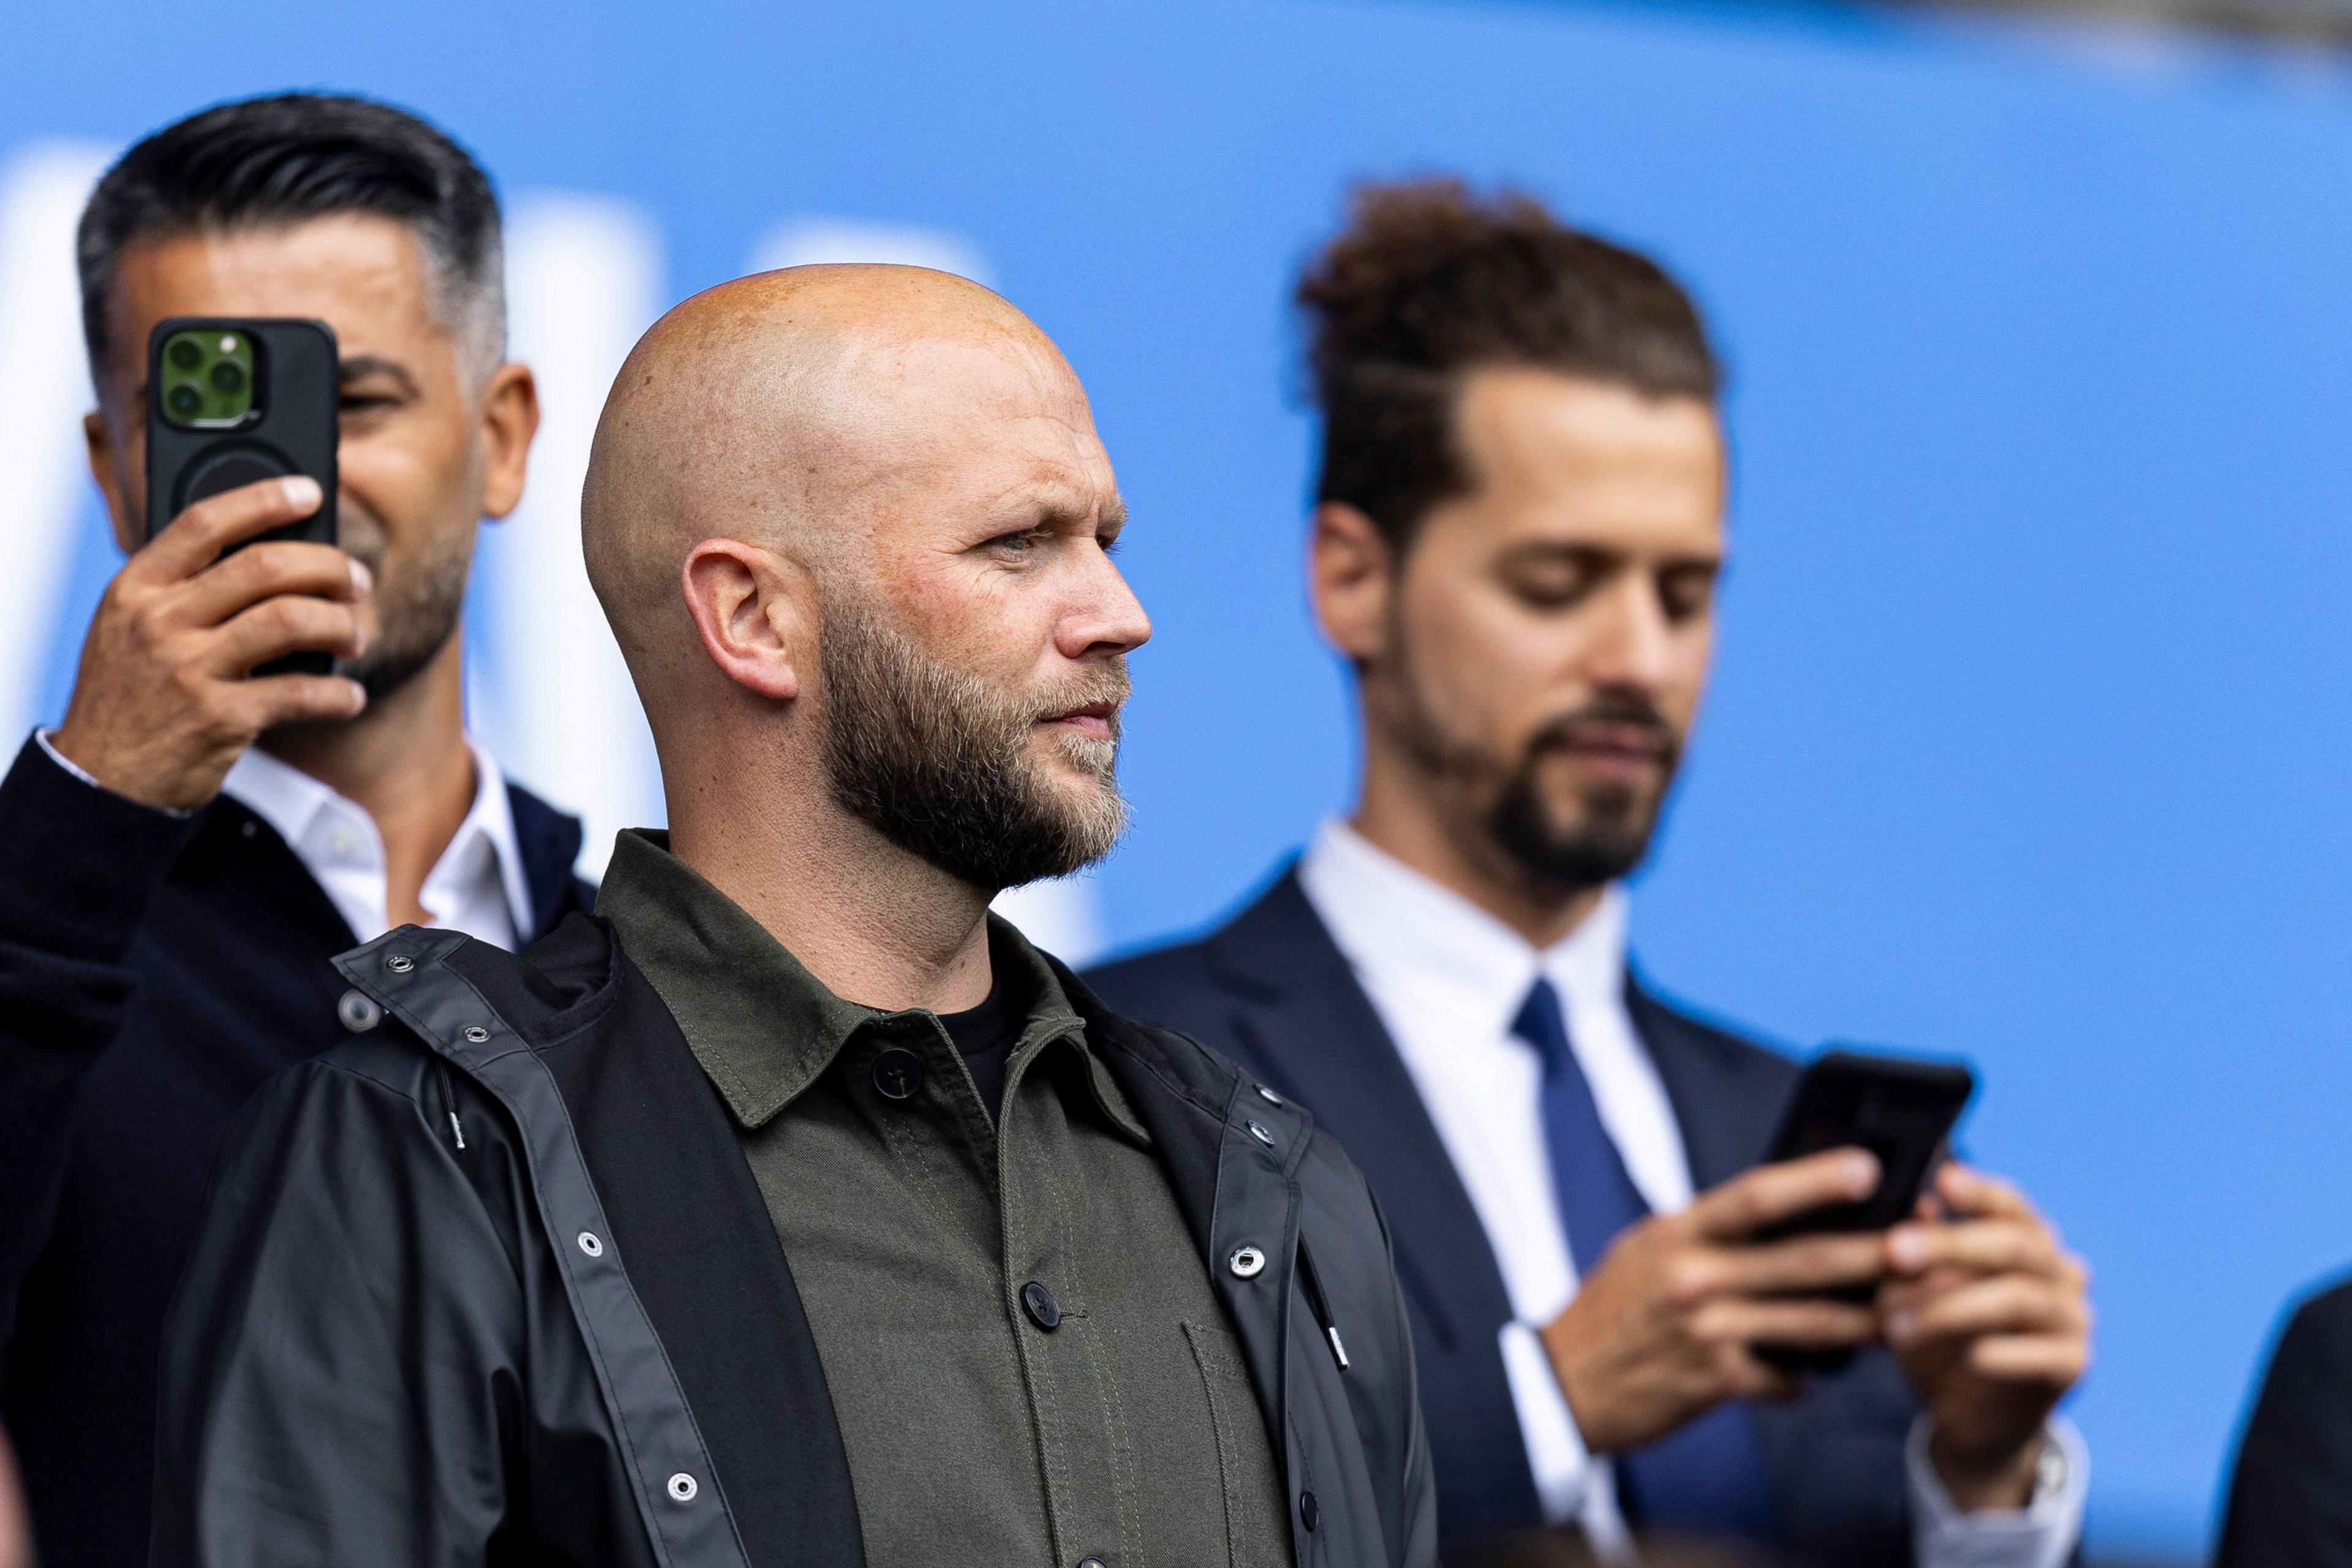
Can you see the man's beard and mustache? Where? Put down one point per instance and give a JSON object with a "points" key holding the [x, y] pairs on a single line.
{"points": [[416, 612], [1607, 831], [937, 760]]}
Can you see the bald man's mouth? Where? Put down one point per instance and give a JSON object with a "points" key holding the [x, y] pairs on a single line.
{"points": [[1095, 721]]}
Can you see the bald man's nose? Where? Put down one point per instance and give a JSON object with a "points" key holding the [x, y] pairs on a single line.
{"points": [[1108, 618]]}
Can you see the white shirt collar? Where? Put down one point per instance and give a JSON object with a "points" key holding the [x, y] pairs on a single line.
{"points": [[334, 837], [1389, 916]]}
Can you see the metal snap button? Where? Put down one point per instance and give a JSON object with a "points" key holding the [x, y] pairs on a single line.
{"points": [[1308, 1514], [1258, 1131], [590, 1245], [477, 1034], [357, 1012], [400, 964], [1090, 1563], [682, 1488], [1268, 1095], [249, 829], [899, 1074], [1247, 1262], [1043, 1311]]}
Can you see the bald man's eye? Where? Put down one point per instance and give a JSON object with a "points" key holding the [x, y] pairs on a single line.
{"points": [[1017, 546]]}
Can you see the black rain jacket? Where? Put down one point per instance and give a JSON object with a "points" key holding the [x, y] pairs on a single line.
{"points": [[492, 1283]]}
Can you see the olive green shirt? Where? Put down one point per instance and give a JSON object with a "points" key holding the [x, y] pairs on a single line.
{"points": [[1025, 1358]]}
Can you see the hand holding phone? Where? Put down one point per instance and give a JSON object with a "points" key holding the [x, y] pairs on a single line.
{"points": [[1664, 1330], [1902, 1113], [186, 661]]}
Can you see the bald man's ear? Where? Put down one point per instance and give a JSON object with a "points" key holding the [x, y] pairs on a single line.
{"points": [[756, 611], [1351, 576]]}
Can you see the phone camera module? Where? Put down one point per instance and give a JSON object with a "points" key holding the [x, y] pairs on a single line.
{"points": [[184, 402], [228, 378], [184, 354]]}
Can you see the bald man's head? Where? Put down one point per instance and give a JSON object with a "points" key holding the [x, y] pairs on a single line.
{"points": [[782, 409], [877, 483]]}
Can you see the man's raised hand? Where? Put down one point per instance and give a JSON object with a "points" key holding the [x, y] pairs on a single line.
{"points": [[163, 703]]}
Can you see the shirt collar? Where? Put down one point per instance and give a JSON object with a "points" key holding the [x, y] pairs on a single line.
{"points": [[1389, 919], [304, 812], [491, 817], [765, 1029], [282, 795]]}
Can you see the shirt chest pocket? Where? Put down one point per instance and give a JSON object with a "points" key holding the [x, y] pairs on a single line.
{"points": [[1258, 1531]]}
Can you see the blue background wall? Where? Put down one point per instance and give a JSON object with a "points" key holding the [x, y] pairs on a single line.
{"points": [[2030, 738]]}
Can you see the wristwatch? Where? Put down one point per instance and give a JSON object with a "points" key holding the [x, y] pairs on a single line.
{"points": [[2049, 1474]]}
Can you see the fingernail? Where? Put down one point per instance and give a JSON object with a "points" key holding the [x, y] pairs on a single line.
{"points": [[301, 490], [1908, 1246], [1901, 1326], [362, 578], [1860, 1174]]}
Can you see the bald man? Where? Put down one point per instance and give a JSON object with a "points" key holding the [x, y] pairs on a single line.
{"points": [[793, 1209]]}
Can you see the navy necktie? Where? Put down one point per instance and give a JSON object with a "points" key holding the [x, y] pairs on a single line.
{"points": [[1707, 1476]]}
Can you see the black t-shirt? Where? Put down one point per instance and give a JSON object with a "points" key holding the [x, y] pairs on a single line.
{"points": [[985, 1037]]}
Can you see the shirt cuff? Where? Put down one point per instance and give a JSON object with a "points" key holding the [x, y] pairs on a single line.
{"points": [[83, 774], [1556, 1451], [1572, 1484], [2042, 1534]]}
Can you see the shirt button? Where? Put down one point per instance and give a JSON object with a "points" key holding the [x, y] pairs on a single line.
{"points": [[1043, 1309], [1308, 1514], [899, 1074], [358, 1012]]}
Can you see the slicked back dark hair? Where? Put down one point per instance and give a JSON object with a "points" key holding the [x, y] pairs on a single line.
{"points": [[1429, 282], [289, 157]]}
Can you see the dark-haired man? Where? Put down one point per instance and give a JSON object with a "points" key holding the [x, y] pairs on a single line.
{"points": [[794, 1210], [1516, 548], [182, 856]]}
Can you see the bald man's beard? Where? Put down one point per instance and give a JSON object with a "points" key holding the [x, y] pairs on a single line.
{"points": [[939, 762]]}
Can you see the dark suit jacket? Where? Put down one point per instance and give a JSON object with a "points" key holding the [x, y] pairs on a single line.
{"points": [[2291, 1497], [1271, 991], [154, 972]]}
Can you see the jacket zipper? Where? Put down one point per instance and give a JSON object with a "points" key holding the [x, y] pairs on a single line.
{"points": [[449, 1100], [1322, 1308]]}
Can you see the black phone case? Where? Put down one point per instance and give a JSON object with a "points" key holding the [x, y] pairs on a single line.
{"points": [[293, 428], [1903, 1112]]}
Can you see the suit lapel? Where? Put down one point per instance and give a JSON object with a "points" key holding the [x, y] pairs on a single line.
{"points": [[1307, 1026], [1726, 1127]]}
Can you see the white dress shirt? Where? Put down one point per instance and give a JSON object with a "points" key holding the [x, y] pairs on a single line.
{"points": [[1448, 979], [479, 886]]}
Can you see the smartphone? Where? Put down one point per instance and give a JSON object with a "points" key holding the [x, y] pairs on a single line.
{"points": [[233, 400], [1903, 1112]]}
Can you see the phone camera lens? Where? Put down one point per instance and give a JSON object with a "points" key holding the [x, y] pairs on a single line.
{"points": [[184, 401], [228, 378], [184, 354]]}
